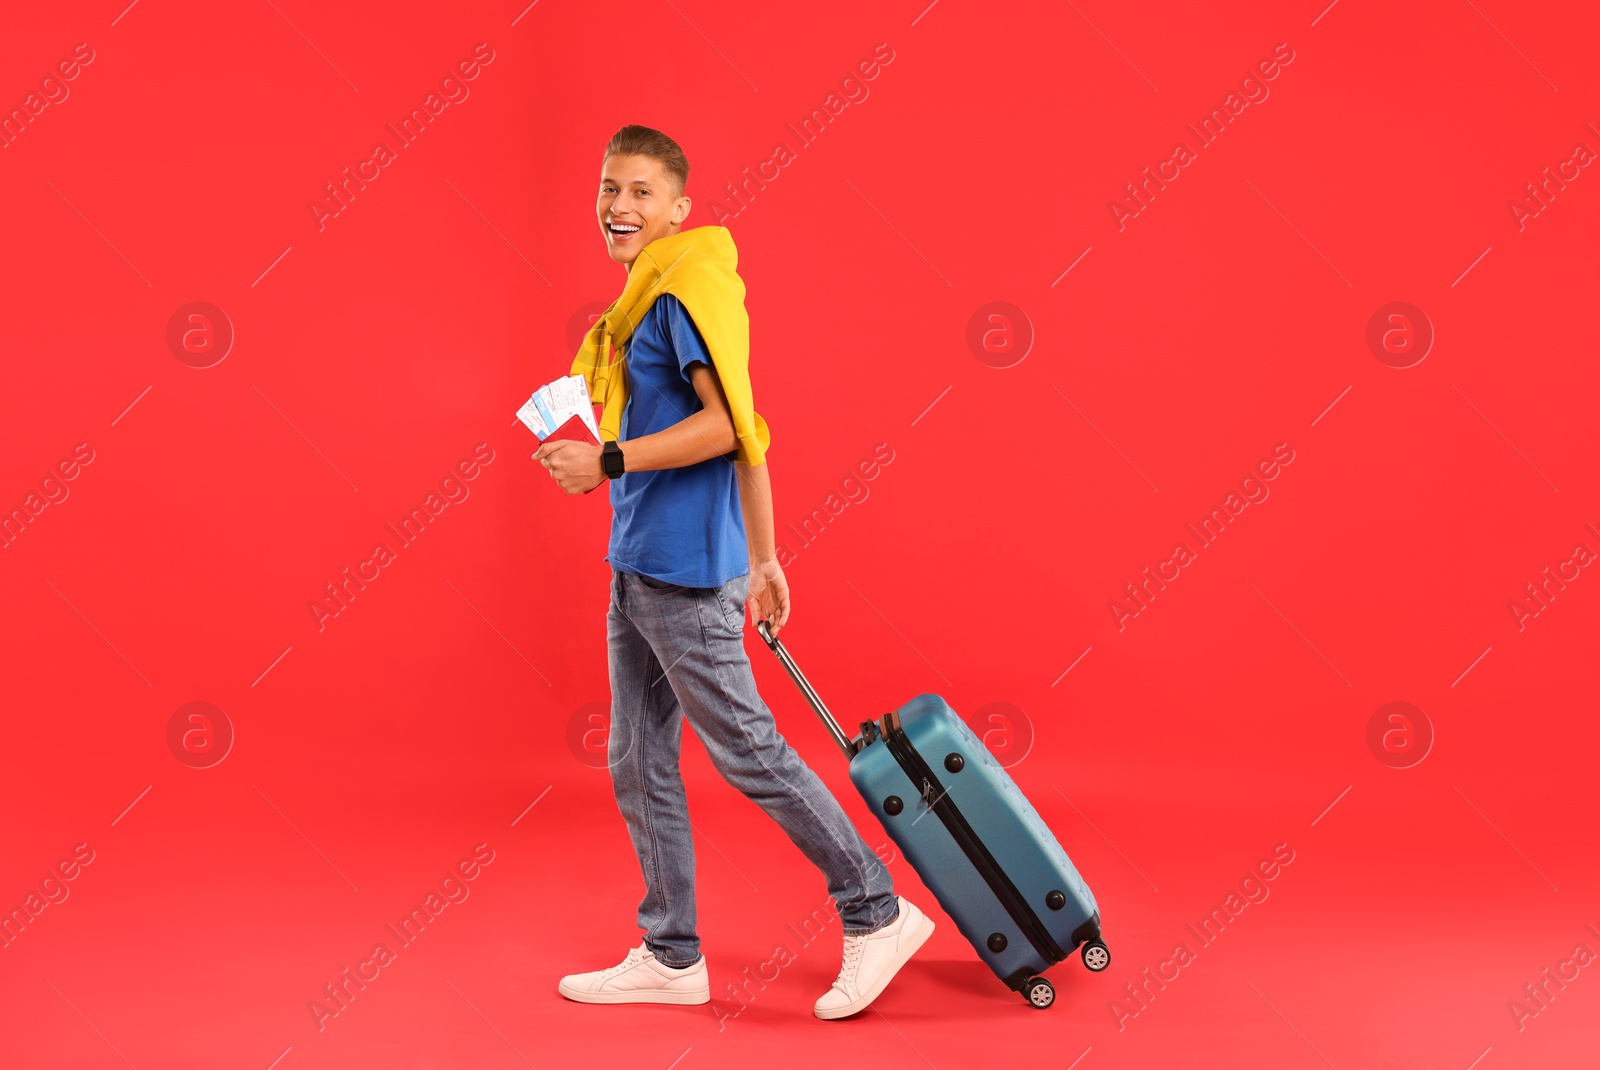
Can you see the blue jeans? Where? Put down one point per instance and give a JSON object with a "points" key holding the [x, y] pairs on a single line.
{"points": [[697, 634]]}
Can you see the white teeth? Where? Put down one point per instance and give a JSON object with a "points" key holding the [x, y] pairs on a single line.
{"points": [[623, 228]]}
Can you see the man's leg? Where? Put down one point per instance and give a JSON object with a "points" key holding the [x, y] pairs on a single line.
{"points": [[646, 732], [697, 632]]}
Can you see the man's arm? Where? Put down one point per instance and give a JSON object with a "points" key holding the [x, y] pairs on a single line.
{"points": [[701, 435], [710, 433], [697, 437], [755, 498], [768, 595]]}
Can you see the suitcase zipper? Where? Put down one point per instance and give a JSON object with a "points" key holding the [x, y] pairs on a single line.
{"points": [[938, 800]]}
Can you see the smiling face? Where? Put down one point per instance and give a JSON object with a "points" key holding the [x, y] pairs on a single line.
{"points": [[638, 203]]}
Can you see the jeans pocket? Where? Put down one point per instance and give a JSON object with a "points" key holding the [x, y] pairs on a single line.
{"points": [[654, 584], [731, 601]]}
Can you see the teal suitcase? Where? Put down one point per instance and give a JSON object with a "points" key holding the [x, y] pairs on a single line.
{"points": [[971, 835]]}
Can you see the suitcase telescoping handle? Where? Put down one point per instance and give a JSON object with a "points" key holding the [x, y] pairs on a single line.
{"points": [[808, 691]]}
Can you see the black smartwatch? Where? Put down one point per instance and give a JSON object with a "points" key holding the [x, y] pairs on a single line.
{"points": [[611, 460]]}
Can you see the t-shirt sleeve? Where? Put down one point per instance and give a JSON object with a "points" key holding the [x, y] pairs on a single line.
{"points": [[686, 340]]}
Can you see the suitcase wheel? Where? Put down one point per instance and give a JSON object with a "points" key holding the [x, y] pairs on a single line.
{"points": [[1096, 956], [1040, 993]]}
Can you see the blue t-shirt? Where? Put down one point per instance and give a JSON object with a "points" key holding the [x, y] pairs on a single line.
{"points": [[680, 525]]}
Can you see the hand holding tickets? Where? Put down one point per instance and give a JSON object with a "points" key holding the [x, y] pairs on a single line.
{"points": [[560, 411], [555, 404]]}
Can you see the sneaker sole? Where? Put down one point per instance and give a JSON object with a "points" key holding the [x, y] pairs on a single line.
{"points": [[643, 996], [914, 943]]}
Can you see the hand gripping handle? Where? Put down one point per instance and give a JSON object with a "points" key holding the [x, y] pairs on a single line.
{"points": [[828, 722]]}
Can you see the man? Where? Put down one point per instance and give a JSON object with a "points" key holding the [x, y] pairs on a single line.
{"points": [[692, 542]]}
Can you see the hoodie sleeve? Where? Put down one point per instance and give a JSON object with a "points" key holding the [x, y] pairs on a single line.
{"points": [[754, 449]]}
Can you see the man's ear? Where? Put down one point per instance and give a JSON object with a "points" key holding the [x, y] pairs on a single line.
{"points": [[680, 210]]}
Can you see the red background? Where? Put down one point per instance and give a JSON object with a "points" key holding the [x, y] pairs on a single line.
{"points": [[373, 354]]}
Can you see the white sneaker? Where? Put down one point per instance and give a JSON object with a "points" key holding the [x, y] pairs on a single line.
{"points": [[639, 978], [871, 961]]}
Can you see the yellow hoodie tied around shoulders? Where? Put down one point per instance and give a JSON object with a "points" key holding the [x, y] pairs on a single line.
{"points": [[698, 268]]}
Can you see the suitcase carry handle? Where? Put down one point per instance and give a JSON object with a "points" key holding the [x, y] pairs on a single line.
{"points": [[828, 721]]}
